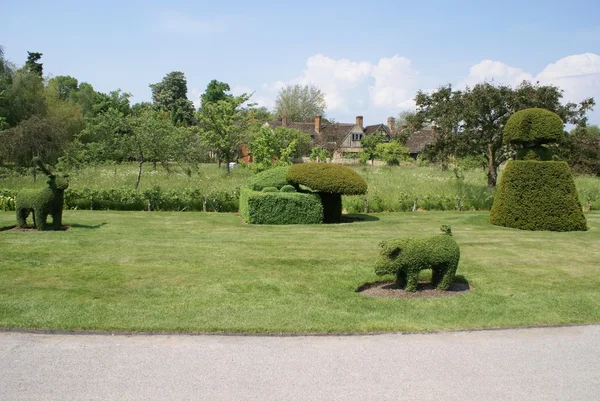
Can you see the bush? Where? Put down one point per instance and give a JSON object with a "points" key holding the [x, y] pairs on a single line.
{"points": [[275, 177], [537, 195], [280, 207], [270, 189], [287, 188], [407, 256], [330, 178], [539, 153], [531, 127]]}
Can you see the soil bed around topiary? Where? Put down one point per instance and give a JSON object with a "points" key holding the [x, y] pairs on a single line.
{"points": [[387, 289], [31, 229]]}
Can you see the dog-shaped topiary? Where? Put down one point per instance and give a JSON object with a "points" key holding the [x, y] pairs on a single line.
{"points": [[42, 202], [406, 257]]}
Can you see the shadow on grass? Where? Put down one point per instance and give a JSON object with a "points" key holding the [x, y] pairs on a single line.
{"points": [[388, 289], [6, 228], [87, 227], [355, 218]]}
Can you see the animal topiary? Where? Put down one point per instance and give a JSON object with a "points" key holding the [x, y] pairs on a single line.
{"points": [[535, 193], [407, 256], [275, 177], [331, 182], [44, 202], [287, 188]]}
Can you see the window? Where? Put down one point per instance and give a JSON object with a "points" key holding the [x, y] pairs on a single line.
{"points": [[357, 137]]}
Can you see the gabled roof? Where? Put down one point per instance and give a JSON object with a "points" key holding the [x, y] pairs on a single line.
{"points": [[418, 140], [371, 129]]}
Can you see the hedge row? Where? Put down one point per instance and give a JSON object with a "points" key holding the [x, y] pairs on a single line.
{"points": [[537, 195], [280, 207]]}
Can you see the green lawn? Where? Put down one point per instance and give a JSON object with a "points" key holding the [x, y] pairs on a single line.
{"points": [[207, 272]]}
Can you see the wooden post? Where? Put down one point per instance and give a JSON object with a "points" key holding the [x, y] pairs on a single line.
{"points": [[366, 205], [414, 209]]}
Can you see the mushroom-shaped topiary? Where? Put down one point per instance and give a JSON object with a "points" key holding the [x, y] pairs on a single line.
{"points": [[331, 182], [531, 128]]}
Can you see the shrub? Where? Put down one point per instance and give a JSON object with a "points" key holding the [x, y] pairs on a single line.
{"points": [[270, 189], [533, 127], [287, 188], [537, 195], [407, 256], [330, 178], [280, 207], [275, 177], [539, 153]]}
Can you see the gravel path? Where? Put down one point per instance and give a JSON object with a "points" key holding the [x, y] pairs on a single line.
{"points": [[524, 364]]}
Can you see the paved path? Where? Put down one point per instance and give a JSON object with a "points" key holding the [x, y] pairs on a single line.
{"points": [[528, 364]]}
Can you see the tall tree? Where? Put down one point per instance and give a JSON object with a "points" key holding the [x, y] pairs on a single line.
{"points": [[223, 126], [63, 85], [32, 64], [215, 91], [170, 95], [299, 103], [471, 122]]}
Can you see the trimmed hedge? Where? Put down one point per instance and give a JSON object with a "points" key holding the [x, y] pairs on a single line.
{"points": [[533, 127], [330, 178], [288, 188], [535, 153], [407, 256], [280, 207], [275, 177], [537, 195]]}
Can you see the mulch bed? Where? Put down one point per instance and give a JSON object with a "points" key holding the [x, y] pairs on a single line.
{"points": [[387, 289], [30, 229]]}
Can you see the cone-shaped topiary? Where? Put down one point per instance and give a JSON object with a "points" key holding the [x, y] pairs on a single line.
{"points": [[535, 193], [44, 202], [331, 182]]}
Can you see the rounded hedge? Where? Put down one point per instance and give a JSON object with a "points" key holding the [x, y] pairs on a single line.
{"points": [[532, 127], [287, 188], [328, 178], [275, 177], [537, 195]]}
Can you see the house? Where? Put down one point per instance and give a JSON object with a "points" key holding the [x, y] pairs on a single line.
{"points": [[342, 139], [417, 141]]}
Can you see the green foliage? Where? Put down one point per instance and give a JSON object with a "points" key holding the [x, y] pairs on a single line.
{"points": [[581, 149], [287, 188], [537, 195], [298, 103], [405, 257], [392, 153], [280, 207], [329, 178], [48, 201], [32, 64], [270, 189], [533, 127], [540, 153], [275, 147], [369, 147], [276, 177], [319, 155], [215, 91], [170, 95]]}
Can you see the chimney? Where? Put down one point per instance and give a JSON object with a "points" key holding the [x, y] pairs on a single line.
{"points": [[359, 121], [392, 124], [318, 124], [284, 121]]}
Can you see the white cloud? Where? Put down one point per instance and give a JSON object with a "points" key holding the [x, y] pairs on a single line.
{"points": [[395, 83], [496, 71], [184, 24], [578, 75]]}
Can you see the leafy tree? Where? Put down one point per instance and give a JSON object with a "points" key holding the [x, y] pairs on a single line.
{"points": [[392, 153], [223, 126], [581, 149], [32, 64], [369, 147], [471, 122], [63, 85], [274, 147], [23, 98], [259, 115], [298, 103], [319, 155], [215, 91], [170, 95]]}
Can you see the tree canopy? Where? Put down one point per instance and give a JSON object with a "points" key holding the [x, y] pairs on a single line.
{"points": [[299, 103]]}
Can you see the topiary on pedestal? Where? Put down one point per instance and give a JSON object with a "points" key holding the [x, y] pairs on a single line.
{"points": [[330, 181], [535, 193]]}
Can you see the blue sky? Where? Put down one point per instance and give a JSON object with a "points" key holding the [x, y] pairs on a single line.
{"points": [[369, 58]]}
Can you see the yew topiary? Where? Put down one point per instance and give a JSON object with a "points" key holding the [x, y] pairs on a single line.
{"points": [[44, 202], [331, 182], [533, 127]]}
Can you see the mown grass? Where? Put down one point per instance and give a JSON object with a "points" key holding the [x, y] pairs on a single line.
{"points": [[208, 272]]}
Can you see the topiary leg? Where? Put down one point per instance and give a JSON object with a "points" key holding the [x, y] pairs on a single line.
{"points": [[412, 281], [40, 219], [400, 279], [22, 214], [436, 276], [448, 277], [57, 219]]}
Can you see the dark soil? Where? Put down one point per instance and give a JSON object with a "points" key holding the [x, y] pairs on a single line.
{"points": [[387, 289]]}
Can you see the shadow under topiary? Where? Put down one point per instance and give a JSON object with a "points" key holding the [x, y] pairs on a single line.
{"points": [[330, 181], [535, 193], [407, 256], [42, 202]]}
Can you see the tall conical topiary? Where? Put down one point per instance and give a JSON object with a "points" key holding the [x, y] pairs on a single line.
{"points": [[535, 193]]}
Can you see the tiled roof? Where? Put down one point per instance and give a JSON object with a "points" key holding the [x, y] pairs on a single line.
{"points": [[419, 139]]}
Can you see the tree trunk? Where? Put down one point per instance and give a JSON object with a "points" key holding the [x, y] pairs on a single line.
{"points": [[139, 177], [492, 170], [227, 163], [219, 159], [154, 164]]}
